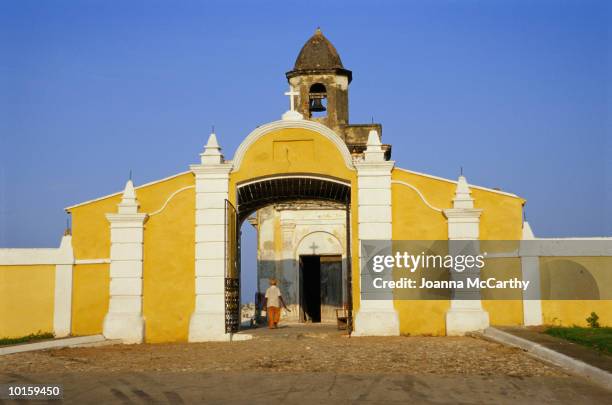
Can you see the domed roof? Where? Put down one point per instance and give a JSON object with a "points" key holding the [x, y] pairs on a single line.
{"points": [[318, 55]]}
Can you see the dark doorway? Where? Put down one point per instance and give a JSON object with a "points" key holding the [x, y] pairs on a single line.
{"points": [[320, 287], [310, 288]]}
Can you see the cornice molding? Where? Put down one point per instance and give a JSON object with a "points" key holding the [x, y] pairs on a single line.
{"points": [[221, 168], [453, 213], [123, 218], [364, 167]]}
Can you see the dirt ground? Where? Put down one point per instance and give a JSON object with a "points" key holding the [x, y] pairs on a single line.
{"points": [[294, 349], [312, 364]]}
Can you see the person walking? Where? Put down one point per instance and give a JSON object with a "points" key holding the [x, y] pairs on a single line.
{"points": [[273, 301]]}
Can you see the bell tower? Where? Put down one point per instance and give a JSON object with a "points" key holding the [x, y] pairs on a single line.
{"points": [[322, 83]]}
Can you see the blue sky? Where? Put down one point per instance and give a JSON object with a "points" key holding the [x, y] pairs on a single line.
{"points": [[516, 92]]}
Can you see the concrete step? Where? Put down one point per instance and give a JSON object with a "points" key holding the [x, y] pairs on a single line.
{"points": [[570, 364], [78, 341]]}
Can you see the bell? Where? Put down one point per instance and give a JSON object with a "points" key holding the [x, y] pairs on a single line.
{"points": [[316, 105]]}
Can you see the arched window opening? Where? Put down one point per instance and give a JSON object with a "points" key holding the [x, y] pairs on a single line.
{"points": [[317, 97]]}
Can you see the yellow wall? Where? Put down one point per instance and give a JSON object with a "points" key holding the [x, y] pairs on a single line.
{"points": [[90, 283], [502, 215], [300, 151], [292, 151], [169, 265], [501, 219], [26, 299], [168, 275], [505, 307], [414, 220], [575, 312], [422, 317], [570, 313], [91, 230]]}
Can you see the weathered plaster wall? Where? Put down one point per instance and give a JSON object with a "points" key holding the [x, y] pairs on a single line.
{"points": [[285, 231], [337, 112]]}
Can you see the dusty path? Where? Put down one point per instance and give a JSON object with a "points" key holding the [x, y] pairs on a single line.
{"points": [[303, 364], [316, 388]]}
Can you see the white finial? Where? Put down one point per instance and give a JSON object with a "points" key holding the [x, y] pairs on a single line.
{"points": [[374, 152], [212, 151], [129, 203], [374, 139], [212, 142], [292, 114], [463, 198]]}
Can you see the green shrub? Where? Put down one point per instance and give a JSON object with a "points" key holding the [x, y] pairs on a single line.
{"points": [[24, 339], [598, 338], [593, 320]]}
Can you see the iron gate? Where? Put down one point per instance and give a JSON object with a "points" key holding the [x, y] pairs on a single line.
{"points": [[232, 269]]}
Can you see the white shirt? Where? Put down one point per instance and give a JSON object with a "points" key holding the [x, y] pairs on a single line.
{"points": [[272, 295]]}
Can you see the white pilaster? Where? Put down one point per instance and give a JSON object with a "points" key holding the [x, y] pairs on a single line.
{"points": [[207, 322], [375, 317], [62, 310], [530, 268], [467, 314], [124, 319]]}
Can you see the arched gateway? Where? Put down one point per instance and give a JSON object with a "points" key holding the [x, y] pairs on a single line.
{"points": [[291, 162]]}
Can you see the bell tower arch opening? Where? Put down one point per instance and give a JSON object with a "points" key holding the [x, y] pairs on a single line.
{"points": [[317, 100]]}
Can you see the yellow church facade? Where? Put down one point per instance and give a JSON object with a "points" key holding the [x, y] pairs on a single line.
{"points": [[159, 262]]}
